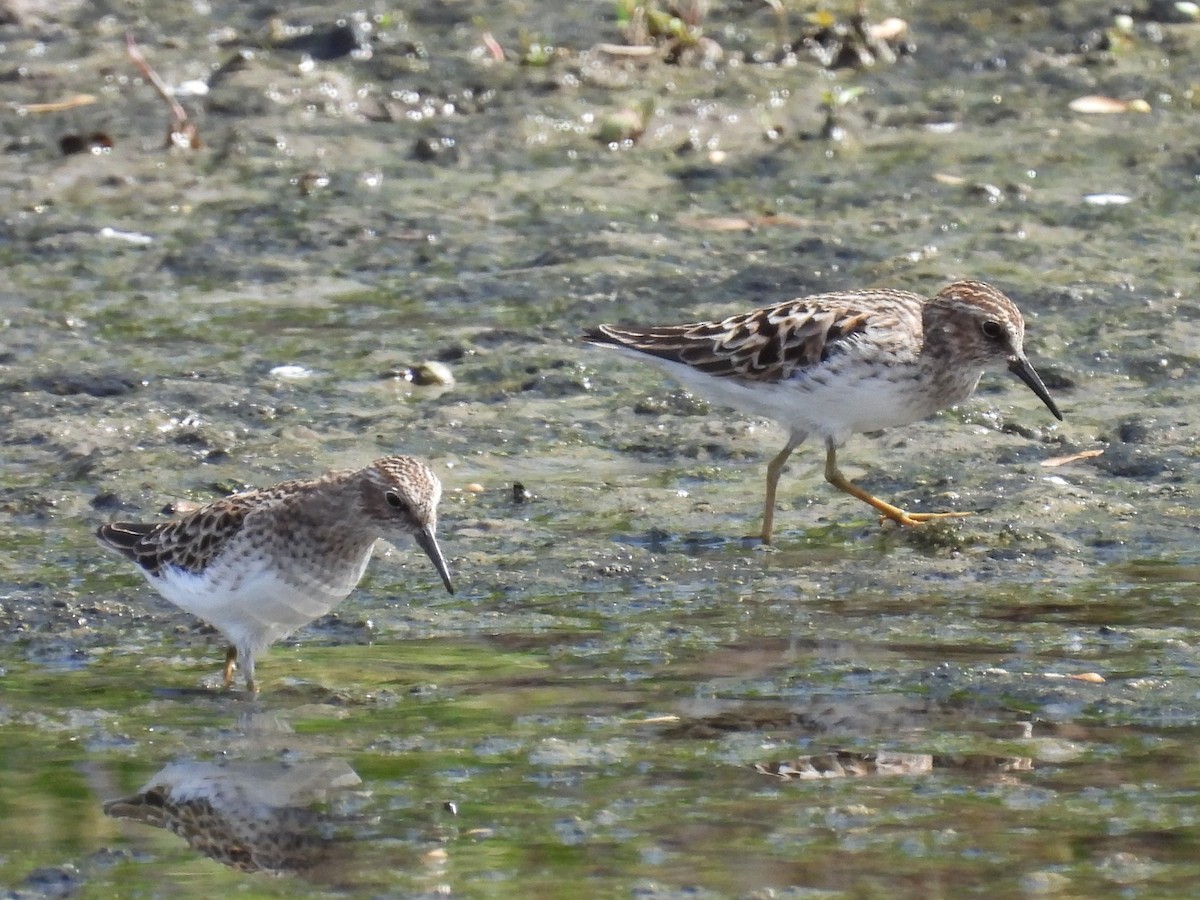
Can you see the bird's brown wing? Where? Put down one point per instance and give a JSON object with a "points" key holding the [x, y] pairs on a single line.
{"points": [[765, 345], [189, 543]]}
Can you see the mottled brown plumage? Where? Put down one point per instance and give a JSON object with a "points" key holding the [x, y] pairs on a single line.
{"points": [[766, 345], [260, 564], [189, 543], [839, 363]]}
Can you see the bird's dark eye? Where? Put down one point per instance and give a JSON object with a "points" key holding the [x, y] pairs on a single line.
{"points": [[993, 330], [394, 500]]}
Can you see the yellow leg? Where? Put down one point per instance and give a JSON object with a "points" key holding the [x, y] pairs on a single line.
{"points": [[230, 662], [774, 470], [835, 477]]}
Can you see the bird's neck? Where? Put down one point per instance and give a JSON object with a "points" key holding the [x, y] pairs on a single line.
{"points": [[945, 362], [334, 517]]}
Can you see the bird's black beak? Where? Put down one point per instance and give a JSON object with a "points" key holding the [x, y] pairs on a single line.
{"points": [[427, 542], [1020, 367]]}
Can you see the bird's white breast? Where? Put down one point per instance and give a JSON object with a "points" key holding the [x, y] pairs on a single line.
{"points": [[833, 401], [253, 600]]}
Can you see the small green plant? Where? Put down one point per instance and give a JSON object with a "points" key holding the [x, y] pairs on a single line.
{"points": [[647, 22], [833, 101], [626, 124], [535, 50]]}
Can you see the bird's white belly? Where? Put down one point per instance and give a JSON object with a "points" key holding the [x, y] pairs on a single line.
{"points": [[253, 604], [833, 404]]}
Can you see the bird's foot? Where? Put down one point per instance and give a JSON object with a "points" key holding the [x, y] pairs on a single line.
{"points": [[914, 519], [230, 664], [757, 542]]}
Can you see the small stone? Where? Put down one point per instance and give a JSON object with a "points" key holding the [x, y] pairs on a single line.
{"points": [[429, 373], [1131, 461], [106, 500], [1134, 431]]}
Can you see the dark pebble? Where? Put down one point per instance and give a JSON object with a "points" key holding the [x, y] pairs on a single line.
{"points": [[67, 384], [1018, 429], [1134, 431], [107, 500], [1054, 377], [1166, 11], [438, 148], [1130, 461], [324, 43], [555, 385], [54, 881], [679, 403]]}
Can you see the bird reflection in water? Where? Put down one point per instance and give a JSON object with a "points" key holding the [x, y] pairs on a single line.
{"points": [[252, 816]]}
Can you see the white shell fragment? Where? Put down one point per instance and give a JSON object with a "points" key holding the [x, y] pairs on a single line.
{"points": [[291, 372], [1096, 104], [1107, 199], [129, 237]]}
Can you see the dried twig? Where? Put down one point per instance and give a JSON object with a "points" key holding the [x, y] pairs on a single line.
{"points": [[73, 102], [182, 131], [495, 51], [1073, 457]]}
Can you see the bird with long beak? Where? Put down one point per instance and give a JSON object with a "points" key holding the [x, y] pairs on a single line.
{"points": [[836, 364], [260, 564]]}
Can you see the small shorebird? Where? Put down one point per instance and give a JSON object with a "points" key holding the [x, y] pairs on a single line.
{"points": [[835, 364], [260, 564]]}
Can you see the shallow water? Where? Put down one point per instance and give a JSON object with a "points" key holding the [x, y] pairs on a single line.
{"points": [[606, 704]]}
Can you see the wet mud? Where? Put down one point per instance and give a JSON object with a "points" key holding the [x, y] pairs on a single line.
{"points": [[392, 227]]}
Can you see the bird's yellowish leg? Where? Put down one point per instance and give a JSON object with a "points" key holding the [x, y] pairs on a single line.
{"points": [[774, 470], [230, 662], [835, 477]]}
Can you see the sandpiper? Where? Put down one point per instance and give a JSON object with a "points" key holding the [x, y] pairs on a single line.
{"points": [[260, 564], [835, 364]]}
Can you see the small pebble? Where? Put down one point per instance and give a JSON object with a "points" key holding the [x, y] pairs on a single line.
{"points": [[430, 373], [291, 372]]}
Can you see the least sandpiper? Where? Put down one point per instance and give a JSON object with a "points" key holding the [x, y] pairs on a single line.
{"points": [[835, 364], [260, 564]]}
